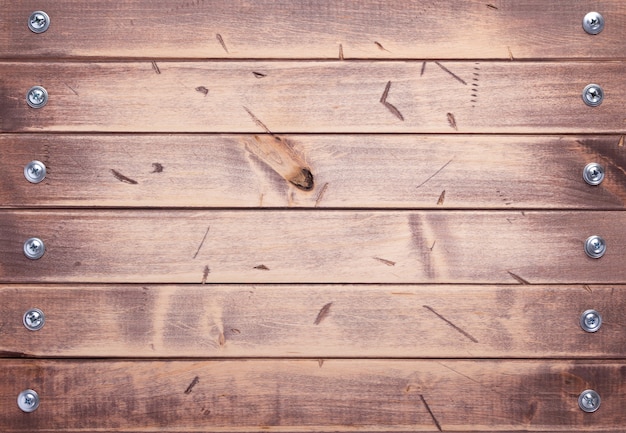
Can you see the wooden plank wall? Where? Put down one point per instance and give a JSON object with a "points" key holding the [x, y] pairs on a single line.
{"points": [[312, 216]]}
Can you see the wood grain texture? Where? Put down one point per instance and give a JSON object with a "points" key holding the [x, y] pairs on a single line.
{"points": [[364, 29], [313, 321], [348, 171], [305, 395], [309, 97], [312, 247]]}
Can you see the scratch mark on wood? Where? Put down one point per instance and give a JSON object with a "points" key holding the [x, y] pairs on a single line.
{"points": [[235, 331], [490, 6], [258, 74], [156, 68], [459, 373], [403, 293], [205, 274], [385, 261], [258, 121], [69, 87], [119, 176], [222, 339], [158, 167], [432, 415], [202, 89], [340, 52], [320, 196], [423, 68], [518, 278], [202, 242], [442, 198], [511, 58], [459, 79], [466, 334], [220, 39], [434, 174], [433, 245], [380, 46], [390, 107], [320, 362], [323, 313], [193, 383], [620, 143], [262, 268], [587, 288], [452, 121]]}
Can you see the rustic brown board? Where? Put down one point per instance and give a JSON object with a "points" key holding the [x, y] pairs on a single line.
{"points": [[365, 29], [313, 321], [346, 97], [348, 171], [315, 247], [311, 396]]}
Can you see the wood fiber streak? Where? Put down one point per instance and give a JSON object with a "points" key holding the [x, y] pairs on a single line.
{"points": [[313, 321], [285, 395], [364, 29], [312, 247], [360, 171], [309, 97]]}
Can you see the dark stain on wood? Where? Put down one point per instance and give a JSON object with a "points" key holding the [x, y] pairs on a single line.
{"points": [[157, 167]]}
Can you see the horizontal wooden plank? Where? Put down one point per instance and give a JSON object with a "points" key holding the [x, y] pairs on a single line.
{"points": [[342, 97], [308, 395], [348, 171], [320, 29], [313, 321], [312, 247]]}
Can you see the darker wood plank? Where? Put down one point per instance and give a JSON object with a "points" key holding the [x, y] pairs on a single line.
{"points": [[347, 171], [185, 246], [364, 29], [309, 97], [339, 395], [313, 321]]}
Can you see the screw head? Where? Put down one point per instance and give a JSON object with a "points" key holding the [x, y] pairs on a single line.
{"points": [[37, 97], [589, 400], [38, 22], [35, 171], [593, 95], [590, 320], [595, 247], [593, 23], [34, 248], [28, 400], [593, 173], [34, 319]]}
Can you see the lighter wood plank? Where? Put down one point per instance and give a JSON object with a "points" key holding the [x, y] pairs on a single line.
{"points": [[348, 97], [312, 247], [313, 321], [322, 29], [360, 171], [338, 395]]}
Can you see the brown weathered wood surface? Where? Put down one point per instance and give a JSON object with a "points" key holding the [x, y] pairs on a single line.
{"points": [[182, 246], [308, 395], [365, 29], [313, 321], [315, 96], [349, 171]]}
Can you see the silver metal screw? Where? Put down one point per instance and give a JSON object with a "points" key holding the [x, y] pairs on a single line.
{"points": [[35, 171], [589, 400], [34, 248], [593, 23], [595, 247], [593, 173], [590, 320], [34, 319], [38, 22], [37, 97], [593, 95], [28, 400]]}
